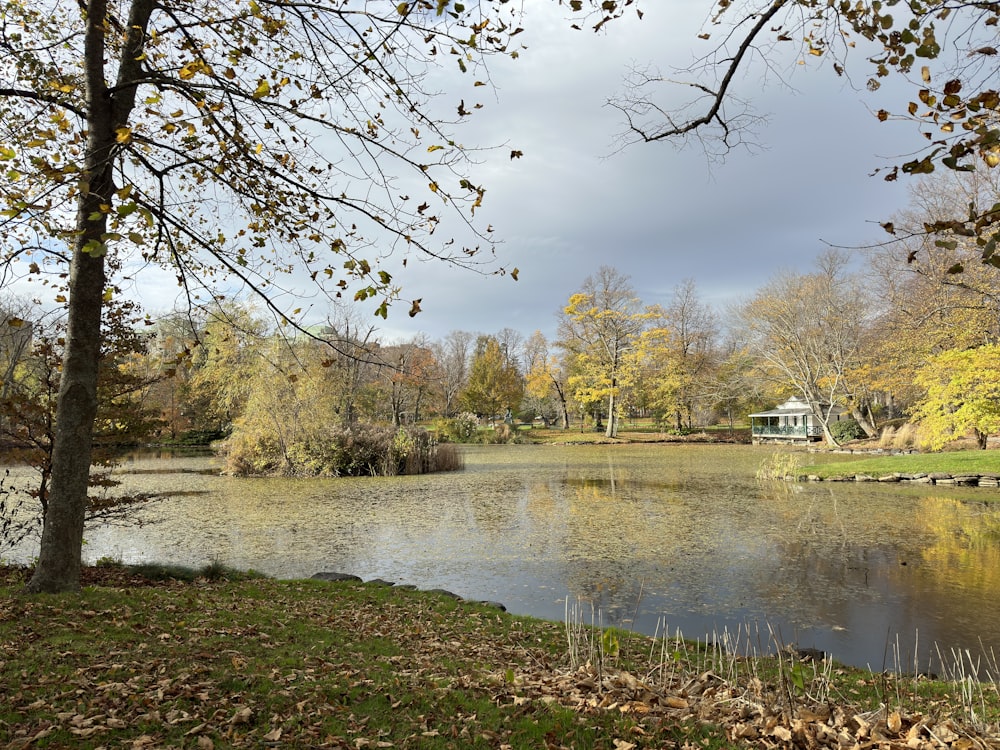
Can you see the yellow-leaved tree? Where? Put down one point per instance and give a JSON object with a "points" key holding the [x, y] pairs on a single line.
{"points": [[599, 329], [962, 396]]}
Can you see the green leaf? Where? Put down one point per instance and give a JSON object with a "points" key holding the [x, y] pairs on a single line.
{"points": [[95, 249]]}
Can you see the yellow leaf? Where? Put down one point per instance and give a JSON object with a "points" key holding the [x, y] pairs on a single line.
{"points": [[262, 90], [123, 135], [432, 149], [434, 187]]}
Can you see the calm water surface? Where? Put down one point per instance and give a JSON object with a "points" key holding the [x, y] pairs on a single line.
{"points": [[647, 534]]}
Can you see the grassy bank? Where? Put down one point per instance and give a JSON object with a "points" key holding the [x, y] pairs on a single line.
{"points": [[952, 462], [250, 662]]}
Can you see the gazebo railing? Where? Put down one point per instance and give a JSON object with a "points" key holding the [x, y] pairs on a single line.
{"points": [[767, 430]]}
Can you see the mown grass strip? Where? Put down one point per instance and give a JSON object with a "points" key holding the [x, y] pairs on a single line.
{"points": [[955, 463]]}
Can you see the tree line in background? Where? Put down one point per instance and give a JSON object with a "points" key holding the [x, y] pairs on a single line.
{"points": [[893, 342]]}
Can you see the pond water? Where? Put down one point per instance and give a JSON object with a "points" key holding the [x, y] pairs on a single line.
{"points": [[647, 536]]}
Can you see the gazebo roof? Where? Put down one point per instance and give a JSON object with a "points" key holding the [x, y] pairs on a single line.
{"points": [[792, 407]]}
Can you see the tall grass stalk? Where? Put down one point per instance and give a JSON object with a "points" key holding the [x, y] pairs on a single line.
{"points": [[781, 465]]}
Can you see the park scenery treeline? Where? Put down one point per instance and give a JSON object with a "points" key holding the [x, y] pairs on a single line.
{"points": [[912, 357]]}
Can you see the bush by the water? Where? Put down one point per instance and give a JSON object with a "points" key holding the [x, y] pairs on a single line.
{"points": [[845, 430], [363, 450], [465, 428]]}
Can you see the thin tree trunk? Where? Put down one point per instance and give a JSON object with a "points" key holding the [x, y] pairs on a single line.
{"points": [[612, 429]]}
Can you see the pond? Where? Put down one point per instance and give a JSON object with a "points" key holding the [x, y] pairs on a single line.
{"points": [[645, 537]]}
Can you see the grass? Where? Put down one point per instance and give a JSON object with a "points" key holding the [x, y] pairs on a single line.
{"points": [[243, 661], [952, 462]]}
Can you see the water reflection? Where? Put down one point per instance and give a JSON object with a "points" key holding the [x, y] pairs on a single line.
{"points": [[642, 532]]}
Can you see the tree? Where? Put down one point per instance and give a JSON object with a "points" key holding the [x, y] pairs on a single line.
{"points": [[735, 388], [963, 395], [926, 306], [453, 356], [599, 327], [349, 360], [805, 331], [545, 381], [495, 386], [15, 342], [955, 105], [405, 376], [232, 143], [223, 364], [680, 346], [123, 418]]}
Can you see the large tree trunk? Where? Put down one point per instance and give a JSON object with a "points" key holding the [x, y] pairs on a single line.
{"points": [[863, 421], [58, 567]]}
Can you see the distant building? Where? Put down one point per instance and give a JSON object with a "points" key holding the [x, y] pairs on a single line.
{"points": [[789, 422]]}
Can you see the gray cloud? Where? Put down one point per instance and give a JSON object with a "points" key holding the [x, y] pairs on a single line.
{"points": [[657, 213]]}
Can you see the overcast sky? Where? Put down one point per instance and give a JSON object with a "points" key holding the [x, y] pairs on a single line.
{"points": [[656, 213]]}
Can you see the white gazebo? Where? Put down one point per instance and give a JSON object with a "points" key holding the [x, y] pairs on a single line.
{"points": [[789, 422]]}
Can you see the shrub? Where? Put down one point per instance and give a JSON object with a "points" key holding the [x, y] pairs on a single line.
{"points": [[363, 450], [845, 430], [458, 429]]}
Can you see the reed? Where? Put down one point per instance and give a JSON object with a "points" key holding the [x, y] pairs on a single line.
{"points": [[776, 689], [780, 465]]}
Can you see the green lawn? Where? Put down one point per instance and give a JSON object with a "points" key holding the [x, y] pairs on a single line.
{"points": [[954, 462]]}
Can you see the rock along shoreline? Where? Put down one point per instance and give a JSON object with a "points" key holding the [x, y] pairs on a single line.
{"points": [[936, 478]]}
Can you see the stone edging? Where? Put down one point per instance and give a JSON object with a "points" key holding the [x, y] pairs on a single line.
{"points": [[331, 576], [961, 480]]}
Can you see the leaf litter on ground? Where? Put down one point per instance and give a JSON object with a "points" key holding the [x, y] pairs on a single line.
{"points": [[140, 663]]}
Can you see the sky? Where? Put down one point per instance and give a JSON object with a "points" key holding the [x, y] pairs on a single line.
{"points": [[658, 214]]}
